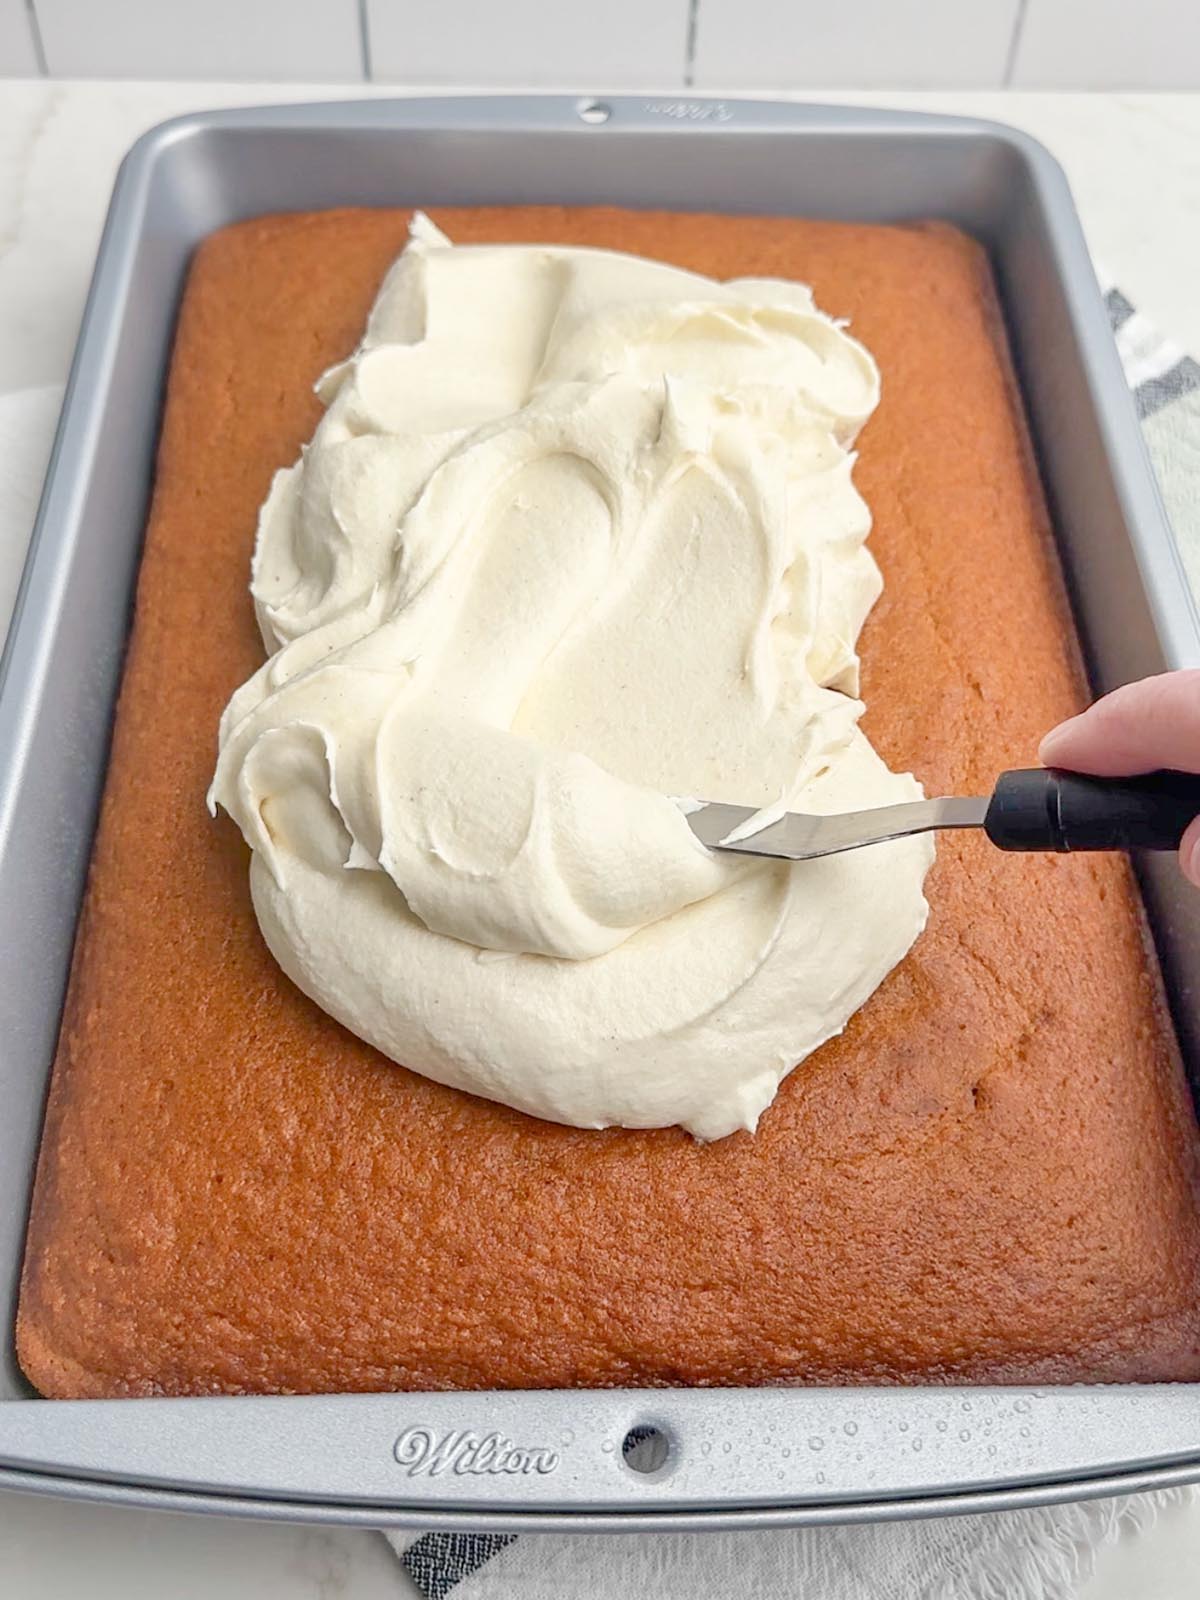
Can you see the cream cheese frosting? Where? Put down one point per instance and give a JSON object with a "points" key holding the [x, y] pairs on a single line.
{"points": [[576, 534]]}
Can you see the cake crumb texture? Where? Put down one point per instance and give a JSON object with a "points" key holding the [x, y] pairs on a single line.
{"points": [[990, 1176]]}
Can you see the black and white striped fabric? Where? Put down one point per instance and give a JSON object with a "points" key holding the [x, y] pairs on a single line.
{"points": [[1045, 1553], [1156, 369], [1026, 1555], [438, 1562]]}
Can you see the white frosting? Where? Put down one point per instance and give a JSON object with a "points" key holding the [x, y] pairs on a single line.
{"points": [[576, 534]]}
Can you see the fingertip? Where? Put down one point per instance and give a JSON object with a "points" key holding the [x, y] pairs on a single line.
{"points": [[1189, 853], [1054, 742]]}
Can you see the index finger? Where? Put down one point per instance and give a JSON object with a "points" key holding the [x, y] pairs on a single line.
{"points": [[1138, 728]]}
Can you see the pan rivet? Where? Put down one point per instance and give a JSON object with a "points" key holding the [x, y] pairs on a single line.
{"points": [[593, 111]]}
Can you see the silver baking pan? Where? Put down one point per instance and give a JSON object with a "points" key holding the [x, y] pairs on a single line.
{"points": [[745, 1458]]}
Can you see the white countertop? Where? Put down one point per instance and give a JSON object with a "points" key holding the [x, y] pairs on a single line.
{"points": [[1134, 164]]}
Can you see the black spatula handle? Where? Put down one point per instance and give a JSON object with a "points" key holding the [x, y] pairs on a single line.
{"points": [[1045, 809]]}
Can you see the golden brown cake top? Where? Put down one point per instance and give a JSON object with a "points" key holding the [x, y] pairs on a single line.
{"points": [[990, 1175]]}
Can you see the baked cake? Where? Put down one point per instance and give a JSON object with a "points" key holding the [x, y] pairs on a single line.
{"points": [[990, 1176]]}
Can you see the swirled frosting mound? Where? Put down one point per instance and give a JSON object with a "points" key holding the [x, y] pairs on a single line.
{"points": [[576, 535]]}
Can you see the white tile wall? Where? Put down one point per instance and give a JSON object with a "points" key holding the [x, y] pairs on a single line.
{"points": [[853, 44], [1109, 44], [582, 43], [314, 40], [18, 55], [598, 44]]}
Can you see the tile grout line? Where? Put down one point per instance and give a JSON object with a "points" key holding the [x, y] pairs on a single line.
{"points": [[689, 46], [364, 40], [35, 33], [1014, 43]]}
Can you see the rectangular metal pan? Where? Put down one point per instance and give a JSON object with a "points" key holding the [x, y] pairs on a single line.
{"points": [[749, 1458]]}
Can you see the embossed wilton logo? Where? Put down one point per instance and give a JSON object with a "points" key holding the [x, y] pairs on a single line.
{"points": [[421, 1450], [690, 110]]}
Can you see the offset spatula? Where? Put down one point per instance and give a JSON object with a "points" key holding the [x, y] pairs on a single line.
{"points": [[1038, 809]]}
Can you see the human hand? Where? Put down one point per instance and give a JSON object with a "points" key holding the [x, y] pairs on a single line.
{"points": [[1138, 728]]}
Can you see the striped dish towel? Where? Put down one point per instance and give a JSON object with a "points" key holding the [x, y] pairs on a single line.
{"points": [[1043, 1554], [1166, 386]]}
